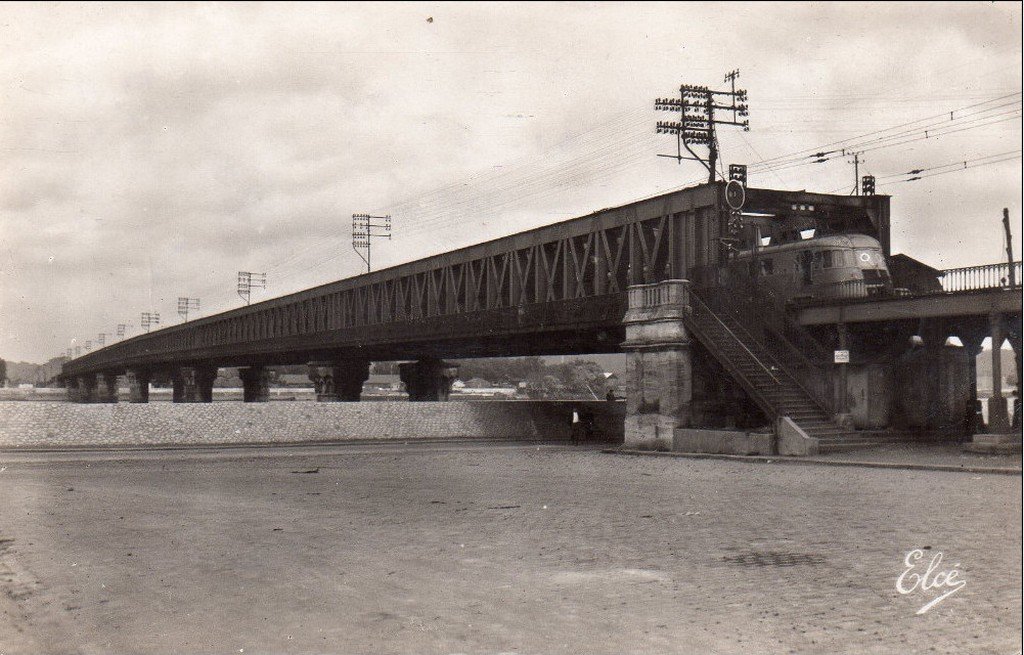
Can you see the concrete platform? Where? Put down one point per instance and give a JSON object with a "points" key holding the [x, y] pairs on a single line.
{"points": [[994, 444], [907, 456]]}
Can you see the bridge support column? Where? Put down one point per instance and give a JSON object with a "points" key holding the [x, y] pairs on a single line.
{"points": [[138, 385], [194, 384], [998, 417], [428, 379], [86, 388], [1002, 438], [660, 388], [73, 390], [255, 384], [106, 390], [971, 339], [1014, 336], [340, 381]]}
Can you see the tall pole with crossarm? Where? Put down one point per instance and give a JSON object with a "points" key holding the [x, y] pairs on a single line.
{"points": [[364, 230], [697, 119]]}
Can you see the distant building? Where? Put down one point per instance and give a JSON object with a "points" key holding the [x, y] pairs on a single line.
{"points": [[293, 380], [913, 275], [383, 382]]}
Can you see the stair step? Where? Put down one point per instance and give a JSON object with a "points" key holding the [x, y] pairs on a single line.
{"points": [[838, 448]]}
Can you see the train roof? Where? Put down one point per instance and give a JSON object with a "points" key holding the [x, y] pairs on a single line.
{"points": [[831, 241]]}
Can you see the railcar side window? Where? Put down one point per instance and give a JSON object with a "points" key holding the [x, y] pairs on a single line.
{"points": [[767, 267], [826, 259]]}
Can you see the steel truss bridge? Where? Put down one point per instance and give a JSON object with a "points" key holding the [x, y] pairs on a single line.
{"points": [[559, 289]]}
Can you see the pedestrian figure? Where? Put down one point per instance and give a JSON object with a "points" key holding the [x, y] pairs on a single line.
{"points": [[588, 426], [575, 427], [610, 396]]}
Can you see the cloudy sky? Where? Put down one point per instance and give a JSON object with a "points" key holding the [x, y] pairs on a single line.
{"points": [[151, 151]]}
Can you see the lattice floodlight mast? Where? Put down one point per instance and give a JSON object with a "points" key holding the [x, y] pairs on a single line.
{"points": [[185, 305], [696, 106], [363, 234], [147, 319], [122, 329], [248, 281], [101, 338]]}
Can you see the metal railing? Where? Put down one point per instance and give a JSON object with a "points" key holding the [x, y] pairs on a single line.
{"points": [[952, 280], [698, 308], [767, 326], [976, 278]]}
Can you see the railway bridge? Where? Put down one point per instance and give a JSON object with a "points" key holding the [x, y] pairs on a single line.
{"points": [[645, 278]]}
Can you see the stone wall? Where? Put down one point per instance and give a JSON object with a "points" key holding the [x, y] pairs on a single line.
{"points": [[62, 424]]}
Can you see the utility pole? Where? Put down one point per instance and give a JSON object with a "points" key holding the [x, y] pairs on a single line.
{"points": [[122, 329], [363, 233], [248, 281], [185, 304], [101, 339], [1009, 249], [856, 172], [696, 125], [149, 318]]}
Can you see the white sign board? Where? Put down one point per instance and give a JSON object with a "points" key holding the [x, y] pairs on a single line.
{"points": [[842, 357]]}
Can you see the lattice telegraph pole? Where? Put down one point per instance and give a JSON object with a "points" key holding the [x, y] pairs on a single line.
{"points": [[363, 227], [122, 329], [185, 305], [697, 120], [147, 319], [248, 281]]}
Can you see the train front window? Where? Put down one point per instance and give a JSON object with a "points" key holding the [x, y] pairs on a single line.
{"points": [[826, 259], [870, 259]]}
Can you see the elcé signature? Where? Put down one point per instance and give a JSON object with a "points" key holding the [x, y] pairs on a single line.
{"points": [[932, 578]]}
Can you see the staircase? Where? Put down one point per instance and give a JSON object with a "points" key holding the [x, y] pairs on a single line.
{"points": [[762, 373]]}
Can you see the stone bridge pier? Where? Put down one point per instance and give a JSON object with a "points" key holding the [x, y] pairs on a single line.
{"points": [[193, 384], [661, 386], [339, 381], [92, 388], [255, 384], [138, 385], [428, 379]]}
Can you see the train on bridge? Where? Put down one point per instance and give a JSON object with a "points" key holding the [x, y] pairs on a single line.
{"points": [[817, 268], [755, 280]]}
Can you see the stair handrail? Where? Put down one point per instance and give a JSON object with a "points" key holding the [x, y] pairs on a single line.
{"points": [[711, 312], [817, 398]]}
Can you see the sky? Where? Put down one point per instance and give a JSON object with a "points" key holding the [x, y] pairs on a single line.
{"points": [[151, 151]]}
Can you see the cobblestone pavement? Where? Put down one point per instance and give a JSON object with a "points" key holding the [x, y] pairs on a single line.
{"points": [[485, 550], [928, 454]]}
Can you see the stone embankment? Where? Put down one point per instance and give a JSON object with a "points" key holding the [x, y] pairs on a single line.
{"points": [[67, 425]]}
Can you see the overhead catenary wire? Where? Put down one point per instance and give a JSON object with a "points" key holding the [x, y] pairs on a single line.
{"points": [[541, 175], [528, 180], [841, 143]]}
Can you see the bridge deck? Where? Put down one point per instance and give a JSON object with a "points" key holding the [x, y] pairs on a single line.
{"points": [[975, 302], [557, 289]]}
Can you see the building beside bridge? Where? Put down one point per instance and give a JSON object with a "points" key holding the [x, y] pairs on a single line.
{"points": [[778, 318]]}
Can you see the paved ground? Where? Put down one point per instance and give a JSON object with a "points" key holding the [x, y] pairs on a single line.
{"points": [[928, 454], [442, 549]]}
